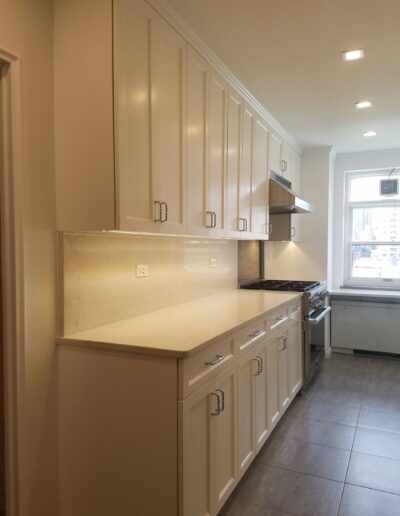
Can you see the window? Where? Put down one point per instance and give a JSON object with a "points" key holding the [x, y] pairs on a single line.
{"points": [[372, 229]]}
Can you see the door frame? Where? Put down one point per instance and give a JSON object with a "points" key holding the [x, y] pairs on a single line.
{"points": [[11, 218]]}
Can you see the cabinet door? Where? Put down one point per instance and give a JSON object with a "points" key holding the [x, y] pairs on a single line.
{"points": [[132, 66], [233, 161], [261, 425], [168, 79], [275, 154], [295, 352], [246, 371], [196, 477], [225, 439], [260, 184], [246, 171], [283, 372], [273, 381], [215, 185], [198, 75]]}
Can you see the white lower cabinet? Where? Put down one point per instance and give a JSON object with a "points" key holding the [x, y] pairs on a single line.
{"points": [[225, 423], [208, 431]]}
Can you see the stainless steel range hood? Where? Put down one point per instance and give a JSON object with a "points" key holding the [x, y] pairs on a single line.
{"points": [[282, 199]]}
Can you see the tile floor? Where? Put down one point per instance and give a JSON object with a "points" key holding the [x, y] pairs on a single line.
{"points": [[336, 452]]}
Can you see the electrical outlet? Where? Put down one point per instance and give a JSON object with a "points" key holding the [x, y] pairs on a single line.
{"points": [[213, 263], [142, 271]]}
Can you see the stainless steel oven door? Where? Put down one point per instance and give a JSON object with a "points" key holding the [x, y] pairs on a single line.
{"points": [[314, 341]]}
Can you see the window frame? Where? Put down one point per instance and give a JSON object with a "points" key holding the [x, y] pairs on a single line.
{"points": [[349, 206]]}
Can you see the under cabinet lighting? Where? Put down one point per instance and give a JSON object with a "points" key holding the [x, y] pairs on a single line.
{"points": [[352, 55], [369, 133], [363, 104]]}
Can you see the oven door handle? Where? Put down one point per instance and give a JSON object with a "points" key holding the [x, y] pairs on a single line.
{"points": [[321, 316]]}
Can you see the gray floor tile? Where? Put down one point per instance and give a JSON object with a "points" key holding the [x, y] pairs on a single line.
{"points": [[380, 402], [374, 472], [332, 412], [338, 394], [379, 420], [359, 501], [377, 442], [313, 459], [301, 495], [323, 432]]}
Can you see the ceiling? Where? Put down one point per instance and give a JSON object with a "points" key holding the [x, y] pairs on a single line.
{"points": [[288, 54]]}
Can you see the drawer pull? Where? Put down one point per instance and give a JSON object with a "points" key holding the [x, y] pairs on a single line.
{"points": [[280, 318], [256, 333], [222, 399], [260, 361], [218, 359], [216, 412], [284, 343], [257, 361]]}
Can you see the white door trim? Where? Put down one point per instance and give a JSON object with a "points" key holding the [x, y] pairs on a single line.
{"points": [[11, 206]]}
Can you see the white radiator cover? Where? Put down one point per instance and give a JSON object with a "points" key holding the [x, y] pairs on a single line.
{"points": [[366, 325]]}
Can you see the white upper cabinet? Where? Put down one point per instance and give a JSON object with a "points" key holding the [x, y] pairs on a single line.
{"points": [[197, 129], [216, 176], [260, 184], [246, 171], [275, 154], [150, 81], [235, 107]]}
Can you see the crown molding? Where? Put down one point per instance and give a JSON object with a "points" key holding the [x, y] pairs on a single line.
{"points": [[170, 16]]}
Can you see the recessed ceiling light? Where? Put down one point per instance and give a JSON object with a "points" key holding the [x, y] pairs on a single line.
{"points": [[369, 133], [363, 104], [352, 55]]}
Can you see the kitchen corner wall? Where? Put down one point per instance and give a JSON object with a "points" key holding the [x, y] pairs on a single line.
{"points": [[308, 259], [100, 283]]}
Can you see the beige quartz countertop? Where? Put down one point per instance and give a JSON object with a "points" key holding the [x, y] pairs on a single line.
{"points": [[181, 330]]}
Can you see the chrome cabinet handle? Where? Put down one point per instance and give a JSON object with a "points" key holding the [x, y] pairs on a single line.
{"points": [[222, 398], [165, 218], [292, 231], [283, 165], [257, 372], [158, 219], [243, 220], [260, 364], [257, 333], [216, 412], [218, 359], [211, 219], [280, 318], [215, 219], [284, 341], [269, 230]]}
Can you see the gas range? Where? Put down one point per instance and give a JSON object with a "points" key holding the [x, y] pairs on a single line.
{"points": [[288, 285]]}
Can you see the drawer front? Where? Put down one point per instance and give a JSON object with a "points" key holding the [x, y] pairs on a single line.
{"points": [[200, 368], [278, 319], [295, 311], [250, 336]]}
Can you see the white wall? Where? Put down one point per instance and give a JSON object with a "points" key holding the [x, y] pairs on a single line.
{"points": [[346, 162], [26, 30], [307, 259]]}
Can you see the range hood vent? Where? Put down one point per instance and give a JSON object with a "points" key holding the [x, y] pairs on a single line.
{"points": [[282, 199]]}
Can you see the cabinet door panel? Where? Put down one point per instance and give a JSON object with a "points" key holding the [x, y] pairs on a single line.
{"points": [[197, 437], [246, 168], [296, 185], [261, 399], [295, 348], [132, 116], [168, 73], [284, 394], [273, 382], [197, 142], [246, 407], [260, 185], [216, 173], [275, 154], [225, 440], [233, 161]]}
